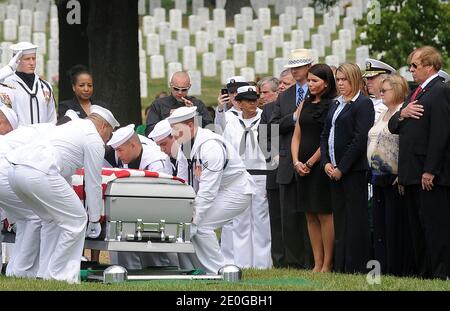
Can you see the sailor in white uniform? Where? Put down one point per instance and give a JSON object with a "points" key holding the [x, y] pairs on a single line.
{"points": [[228, 108], [375, 72], [250, 231], [223, 185], [40, 175], [30, 96]]}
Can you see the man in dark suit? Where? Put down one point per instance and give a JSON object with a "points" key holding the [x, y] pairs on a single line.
{"points": [[161, 108], [423, 124], [297, 250]]}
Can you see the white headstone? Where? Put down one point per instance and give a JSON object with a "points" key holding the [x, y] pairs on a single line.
{"points": [[53, 11], [264, 17], [362, 53], [226, 70], [142, 61], [291, 12], [12, 12], [196, 4], [142, 10], [258, 29], [40, 67], [183, 38], [328, 20], [336, 14], [172, 68], [303, 26], [257, 4], [317, 43], [299, 5], [171, 51], [220, 48], [404, 72], [308, 15], [40, 39], [143, 84], [175, 19], [240, 23], [43, 6], [248, 13], [154, 4], [194, 24], [288, 46], [332, 60], [140, 38], [338, 49], [269, 46], [6, 52], [219, 18], [29, 5], [2, 12], [54, 28], [201, 42], [203, 13], [346, 36], [157, 67], [52, 71], [53, 49], [278, 66], [148, 24], [220, 4], [277, 35], [9, 30], [24, 34], [211, 30], [189, 58], [196, 83], [250, 40], [323, 30], [240, 55], [181, 5], [285, 22], [209, 65], [315, 56], [348, 24], [230, 36], [160, 15], [164, 32], [358, 5], [153, 44], [261, 62], [26, 18], [297, 39], [248, 73]]}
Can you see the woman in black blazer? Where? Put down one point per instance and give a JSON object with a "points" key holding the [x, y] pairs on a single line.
{"points": [[83, 89], [343, 148]]}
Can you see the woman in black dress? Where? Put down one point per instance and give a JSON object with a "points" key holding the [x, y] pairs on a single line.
{"points": [[313, 185]]}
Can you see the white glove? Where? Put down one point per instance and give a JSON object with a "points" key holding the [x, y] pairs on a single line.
{"points": [[93, 230], [15, 61]]}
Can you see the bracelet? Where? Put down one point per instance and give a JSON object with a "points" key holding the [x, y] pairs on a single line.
{"points": [[309, 165], [296, 163]]}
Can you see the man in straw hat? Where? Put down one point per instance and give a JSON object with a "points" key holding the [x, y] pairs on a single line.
{"points": [[297, 251]]}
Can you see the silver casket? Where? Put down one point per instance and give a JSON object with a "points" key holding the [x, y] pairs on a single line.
{"points": [[147, 215]]}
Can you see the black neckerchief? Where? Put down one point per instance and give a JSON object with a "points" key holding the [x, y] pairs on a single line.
{"points": [[189, 160], [174, 166], [136, 163], [28, 78], [25, 77]]}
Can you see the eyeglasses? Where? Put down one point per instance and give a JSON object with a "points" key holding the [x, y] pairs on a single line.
{"points": [[414, 65], [384, 90], [179, 89]]}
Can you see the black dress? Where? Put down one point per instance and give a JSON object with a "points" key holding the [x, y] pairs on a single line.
{"points": [[314, 188], [75, 106]]}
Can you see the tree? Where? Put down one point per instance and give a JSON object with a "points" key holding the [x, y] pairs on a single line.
{"points": [[405, 25], [233, 7]]}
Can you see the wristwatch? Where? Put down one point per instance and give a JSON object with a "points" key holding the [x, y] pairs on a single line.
{"points": [[309, 165]]}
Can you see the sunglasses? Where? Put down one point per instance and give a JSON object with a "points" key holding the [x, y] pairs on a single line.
{"points": [[178, 89], [414, 65], [384, 90]]}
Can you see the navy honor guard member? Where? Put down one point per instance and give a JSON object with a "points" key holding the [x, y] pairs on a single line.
{"points": [[30, 96], [223, 185], [40, 176]]}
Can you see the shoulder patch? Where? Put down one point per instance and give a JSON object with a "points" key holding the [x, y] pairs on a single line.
{"points": [[4, 98]]}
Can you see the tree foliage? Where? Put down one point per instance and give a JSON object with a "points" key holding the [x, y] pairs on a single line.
{"points": [[406, 25]]}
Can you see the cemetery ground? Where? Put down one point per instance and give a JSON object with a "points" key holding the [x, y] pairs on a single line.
{"points": [[252, 280]]}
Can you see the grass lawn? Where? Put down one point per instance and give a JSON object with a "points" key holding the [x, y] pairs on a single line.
{"points": [[253, 280]]}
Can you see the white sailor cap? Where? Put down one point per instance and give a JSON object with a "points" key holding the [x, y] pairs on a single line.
{"points": [[445, 76], [10, 115], [375, 67], [105, 114], [25, 47], [71, 114], [182, 114], [247, 92], [233, 83], [121, 136], [161, 130]]}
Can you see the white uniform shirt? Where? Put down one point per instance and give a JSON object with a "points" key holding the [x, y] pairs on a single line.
{"points": [[223, 117], [32, 106], [74, 145]]}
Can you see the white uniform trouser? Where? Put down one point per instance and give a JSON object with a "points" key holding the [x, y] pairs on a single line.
{"points": [[141, 260], [247, 236], [226, 243], [227, 205], [24, 261], [63, 220]]}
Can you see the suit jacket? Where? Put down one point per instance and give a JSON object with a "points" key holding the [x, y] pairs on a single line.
{"points": [[424, 144], [266, 115], [75, 106], [282, 115], [350, 135], [161, 107]]}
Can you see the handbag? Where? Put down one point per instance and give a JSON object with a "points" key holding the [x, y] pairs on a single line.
{"points": [[384, 158]]}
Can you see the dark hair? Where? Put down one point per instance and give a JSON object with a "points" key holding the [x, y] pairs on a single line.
{"points": [[324, 72], [77, 70]]}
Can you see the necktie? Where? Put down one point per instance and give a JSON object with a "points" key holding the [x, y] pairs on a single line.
{"points": [[300, 96], [416, 92]]}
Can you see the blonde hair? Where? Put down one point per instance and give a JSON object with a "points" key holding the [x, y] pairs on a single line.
{"points": [[399, 87], [353, 75], [428, 56]]}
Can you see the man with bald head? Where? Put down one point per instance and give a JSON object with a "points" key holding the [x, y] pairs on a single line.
{"points": [[161, 108]]}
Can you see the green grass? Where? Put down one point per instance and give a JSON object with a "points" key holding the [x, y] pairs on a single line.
{"points": [[253, 280]]}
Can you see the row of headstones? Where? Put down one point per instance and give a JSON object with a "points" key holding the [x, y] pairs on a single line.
{"points": [[24, 12]]}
